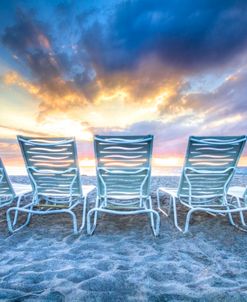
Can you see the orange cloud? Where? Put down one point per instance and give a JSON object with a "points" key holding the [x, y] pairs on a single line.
{"points": [[13, 78], [62, 98]]}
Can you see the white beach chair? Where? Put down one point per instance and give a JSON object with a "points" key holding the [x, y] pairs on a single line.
{"points": [[53, 169], [123, 178], [209, 166], [11, 191]]}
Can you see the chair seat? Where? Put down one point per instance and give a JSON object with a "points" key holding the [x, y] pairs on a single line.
{"points": [[26, 188], [21, 189], [236, 191], [50, 206], [122, 209]]}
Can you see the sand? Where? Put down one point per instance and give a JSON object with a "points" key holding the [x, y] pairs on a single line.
{"points": [[123, 261]]}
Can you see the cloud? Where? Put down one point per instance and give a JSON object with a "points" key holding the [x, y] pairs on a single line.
{"points": [[31, 41], [185, 35], [224, 109], [140, 56], [61, 81], [10, 151], [22, 131], [57, 95], [219, 112]]}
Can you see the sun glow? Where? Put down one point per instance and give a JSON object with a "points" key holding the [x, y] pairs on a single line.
{"points": [[67, 127]]}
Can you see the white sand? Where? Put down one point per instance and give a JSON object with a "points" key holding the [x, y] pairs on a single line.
{"points": [[122, 261]]}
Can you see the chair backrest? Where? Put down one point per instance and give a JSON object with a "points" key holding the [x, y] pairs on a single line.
{"points": [[123, 165], [209, 165], [52, 165], [6, 190]]}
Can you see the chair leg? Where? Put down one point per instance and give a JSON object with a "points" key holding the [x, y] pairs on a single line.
{"points": [[175, 214], [10, 226], [94, 210], [29, 216], [159, 206], [155, 226], [187, 221], [16, 212], [241, 213], [74, 220], [84, 210], [75, 229], [151, 215], [170, 206], [90, 230], [149, 207], [158, 199], [229, 214]]}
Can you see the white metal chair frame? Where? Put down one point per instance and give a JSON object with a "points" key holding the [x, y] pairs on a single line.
{"points": [[238, 195], [55, 203], [8, 199], [215, 204], [106, 202]]}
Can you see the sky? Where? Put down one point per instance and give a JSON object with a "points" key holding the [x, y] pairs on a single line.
{"points": [[170, 68]]}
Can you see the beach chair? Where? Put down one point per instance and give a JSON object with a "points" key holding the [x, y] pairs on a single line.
{"points": [[53, 170], [209, 166], [238, 195], [9, 192], [123, 166]]}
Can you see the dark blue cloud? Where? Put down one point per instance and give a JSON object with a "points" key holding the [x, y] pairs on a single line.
{"points": [[26, 40], [185, 35]]}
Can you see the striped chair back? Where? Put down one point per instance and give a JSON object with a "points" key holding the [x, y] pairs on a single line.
{"points": [[52, 165], [123, 165], [209, 166], [6, 190]]}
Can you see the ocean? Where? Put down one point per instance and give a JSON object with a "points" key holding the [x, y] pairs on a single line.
{"points": [[156, 171]]}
